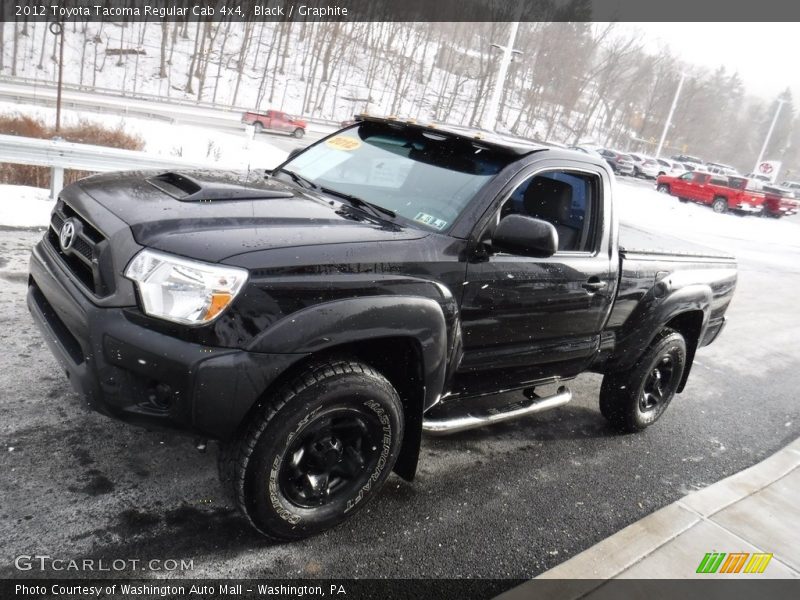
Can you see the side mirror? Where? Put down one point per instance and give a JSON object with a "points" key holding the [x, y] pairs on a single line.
{"points": [[518, 234]]}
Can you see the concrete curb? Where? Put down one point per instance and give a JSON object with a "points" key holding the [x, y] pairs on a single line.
{"points": [[620, 552]]}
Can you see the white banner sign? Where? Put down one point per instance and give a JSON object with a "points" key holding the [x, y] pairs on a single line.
{"points": [[769, 168]]}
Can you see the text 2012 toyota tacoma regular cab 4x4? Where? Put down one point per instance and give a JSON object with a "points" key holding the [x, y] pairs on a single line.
{"points": [[389, 280]]}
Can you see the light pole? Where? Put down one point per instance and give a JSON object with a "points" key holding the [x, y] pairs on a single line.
{"points": [[669, 117], [490, 117], [57, 28], [769, 135]]}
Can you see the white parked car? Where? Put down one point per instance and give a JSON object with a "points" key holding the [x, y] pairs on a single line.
{"points": [[721, 169], [649, 168], [670, 167]]}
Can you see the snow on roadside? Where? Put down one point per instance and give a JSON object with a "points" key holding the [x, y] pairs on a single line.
{"points": [[230, 150], [24, 206], [641, 206]]}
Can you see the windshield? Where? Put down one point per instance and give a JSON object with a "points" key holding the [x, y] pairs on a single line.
{"points": [[426, 177]]}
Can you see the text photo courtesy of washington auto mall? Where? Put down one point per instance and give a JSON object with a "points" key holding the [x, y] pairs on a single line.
{"points": [[375, 299]]}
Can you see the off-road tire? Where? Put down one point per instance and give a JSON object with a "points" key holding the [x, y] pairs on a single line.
{"points": [[263, 459], [622, 394]]}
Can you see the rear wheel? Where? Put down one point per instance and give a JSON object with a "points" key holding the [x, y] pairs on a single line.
{"points": [[663, 188], [318, 450], [259, 126], [633, 400], [720, 205], [299, 132]]}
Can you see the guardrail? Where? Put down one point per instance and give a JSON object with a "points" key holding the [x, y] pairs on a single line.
{"points": [[59, 155]]}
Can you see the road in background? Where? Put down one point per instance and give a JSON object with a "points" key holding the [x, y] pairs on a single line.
{"points": [[217, 119]]}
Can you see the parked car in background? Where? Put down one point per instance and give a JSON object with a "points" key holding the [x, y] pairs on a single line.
{"points": [[649, 168], [687, 158], [721, 169], [670, 167], [758, 181], [722, 193], [789, 187], [620, 163], [276, 121], [643, 165], [780, 203]]}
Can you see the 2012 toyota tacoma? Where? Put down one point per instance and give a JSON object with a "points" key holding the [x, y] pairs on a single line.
{"points": [[391, 279]]}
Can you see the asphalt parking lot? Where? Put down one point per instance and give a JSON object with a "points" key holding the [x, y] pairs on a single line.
{"points": [[509, 501]]}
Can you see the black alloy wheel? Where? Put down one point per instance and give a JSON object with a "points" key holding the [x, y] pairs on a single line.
{"points": [[317, 449], [658, 384], [635, 399], [328, 457]]}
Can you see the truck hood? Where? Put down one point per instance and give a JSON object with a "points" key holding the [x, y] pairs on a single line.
{"points": [[258, 214]]}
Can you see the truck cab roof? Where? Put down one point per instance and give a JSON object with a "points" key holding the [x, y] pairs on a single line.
{"points": [[499, 142]]}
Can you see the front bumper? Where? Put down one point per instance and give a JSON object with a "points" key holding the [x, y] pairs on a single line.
{"points": [[749, 208], [134, 374]]}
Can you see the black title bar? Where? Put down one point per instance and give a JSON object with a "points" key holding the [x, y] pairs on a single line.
{"points": [[402, 10]]}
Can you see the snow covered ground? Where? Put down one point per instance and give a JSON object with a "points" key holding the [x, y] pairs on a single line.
{"points": [[229, 150], [641, 206], [24, 206]]}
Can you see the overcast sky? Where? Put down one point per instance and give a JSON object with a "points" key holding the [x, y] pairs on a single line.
{"points": [[764, 54]]}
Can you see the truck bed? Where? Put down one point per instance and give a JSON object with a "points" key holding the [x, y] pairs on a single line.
{"points": [[635, 240]]}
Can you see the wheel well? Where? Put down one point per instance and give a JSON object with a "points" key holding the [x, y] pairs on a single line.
{"points": [[399, 359], [689, 325]]}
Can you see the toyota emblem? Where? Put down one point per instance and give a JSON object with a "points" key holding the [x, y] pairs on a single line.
{"points": [[67, 235]]}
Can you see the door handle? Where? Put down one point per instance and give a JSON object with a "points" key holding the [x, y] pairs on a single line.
{"points": [[594, 284]]}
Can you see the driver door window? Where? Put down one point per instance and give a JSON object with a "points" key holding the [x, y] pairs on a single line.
{"points": [[566, 199]]}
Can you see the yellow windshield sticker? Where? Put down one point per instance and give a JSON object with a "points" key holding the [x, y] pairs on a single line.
{"points": [[343, 143]]}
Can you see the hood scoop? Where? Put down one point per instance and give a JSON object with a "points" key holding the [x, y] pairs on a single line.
{"points": [[194, 188]]}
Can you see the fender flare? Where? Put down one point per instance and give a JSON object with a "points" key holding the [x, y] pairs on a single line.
{"points": [[649, 318], [329, 324]]}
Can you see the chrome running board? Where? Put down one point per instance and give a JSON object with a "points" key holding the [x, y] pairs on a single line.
{"points": [[472, 421]]}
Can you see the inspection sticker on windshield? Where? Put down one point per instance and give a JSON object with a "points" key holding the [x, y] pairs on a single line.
{"points": [[430, 220], [341, 142]]}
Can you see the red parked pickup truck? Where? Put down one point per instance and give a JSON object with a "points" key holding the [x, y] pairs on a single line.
{"points": [[721, 192], [275, 120], [779, 204]]}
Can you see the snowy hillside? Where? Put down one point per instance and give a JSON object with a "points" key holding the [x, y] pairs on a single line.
{"points": [[572, 82]]}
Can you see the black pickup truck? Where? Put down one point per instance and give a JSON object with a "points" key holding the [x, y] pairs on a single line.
{"points": [[389, 280]]}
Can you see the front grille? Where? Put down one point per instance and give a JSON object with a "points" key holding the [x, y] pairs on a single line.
{"points": [[82, 256]]}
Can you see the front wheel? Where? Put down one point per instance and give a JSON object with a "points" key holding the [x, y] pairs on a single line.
{"points": [[720, 205], [318, 451], [633, 400], [299, 132], [663, 188]]}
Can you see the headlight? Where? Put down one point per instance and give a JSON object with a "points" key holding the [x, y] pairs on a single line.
{"points": [[181, 290]]}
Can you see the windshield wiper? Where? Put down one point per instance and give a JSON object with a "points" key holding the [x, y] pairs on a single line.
{"points": [[300, 180], [358, 202]]}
